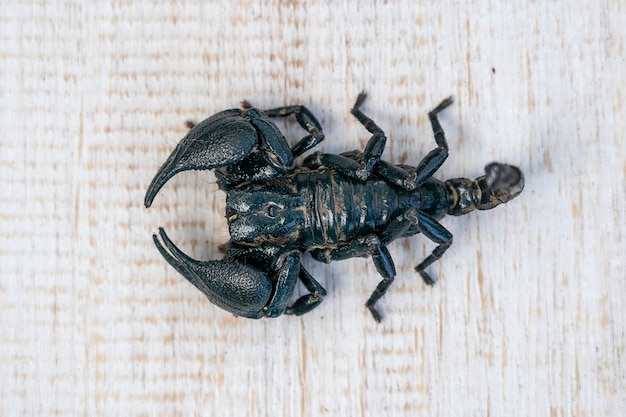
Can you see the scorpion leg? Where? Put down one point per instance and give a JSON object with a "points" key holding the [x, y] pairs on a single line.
{"points": [[284, 279], [396, 228], [438, 234], [440, 137], [435, 158], [346, 165], [307, 302], [363, 246], [307, 120], [376, 145], [376, 247], [401, 176], [411, 178], [386, 268], [359, 165]]}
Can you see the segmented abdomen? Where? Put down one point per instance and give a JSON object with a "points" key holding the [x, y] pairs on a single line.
{"points": [[340, 208]]}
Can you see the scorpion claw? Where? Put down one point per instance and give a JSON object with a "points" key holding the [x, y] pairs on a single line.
{"points": [[222, 139], [234, 286]]}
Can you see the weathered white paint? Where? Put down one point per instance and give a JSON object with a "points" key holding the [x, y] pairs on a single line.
{"points": [[528, 318]]}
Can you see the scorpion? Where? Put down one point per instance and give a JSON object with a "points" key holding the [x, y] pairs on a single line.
{"points": [[334, 206]]}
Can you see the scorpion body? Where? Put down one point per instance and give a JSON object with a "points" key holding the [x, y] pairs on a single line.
{"points": [[318, 209], [333, 206]]}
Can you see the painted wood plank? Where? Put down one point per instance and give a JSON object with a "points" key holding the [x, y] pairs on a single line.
{"points": [[527, 317]]}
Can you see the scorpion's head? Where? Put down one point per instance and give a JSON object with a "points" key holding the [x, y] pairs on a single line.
{"points": [[500, 184], [271, 216]]}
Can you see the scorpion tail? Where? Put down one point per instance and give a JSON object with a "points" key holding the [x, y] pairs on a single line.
{"points": [[233, 286], [504, 182], [500, 184], [223, 139]]}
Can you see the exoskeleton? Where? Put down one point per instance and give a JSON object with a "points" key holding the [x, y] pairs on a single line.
{"points": [[334, 206]]}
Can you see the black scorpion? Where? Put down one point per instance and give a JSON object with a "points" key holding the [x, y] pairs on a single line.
{"points": [[333, 206]]}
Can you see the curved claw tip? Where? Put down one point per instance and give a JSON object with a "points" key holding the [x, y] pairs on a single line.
{"points": [[171, 167], [147, 201], [161, 177], [171, 247], [169, 251]]}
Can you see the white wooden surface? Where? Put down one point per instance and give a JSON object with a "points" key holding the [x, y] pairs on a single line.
{"points": [[528, 317]]}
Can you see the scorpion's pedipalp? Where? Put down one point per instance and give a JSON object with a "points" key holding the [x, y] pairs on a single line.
{"points": [[222, 139], [234, 286], [375, 146], [178, 259]]}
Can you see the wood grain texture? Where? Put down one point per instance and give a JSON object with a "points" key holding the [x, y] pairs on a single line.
{"points": [[528, 317]]}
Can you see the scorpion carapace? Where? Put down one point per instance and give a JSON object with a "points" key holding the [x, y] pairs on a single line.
{"points": [[334, 206]]}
